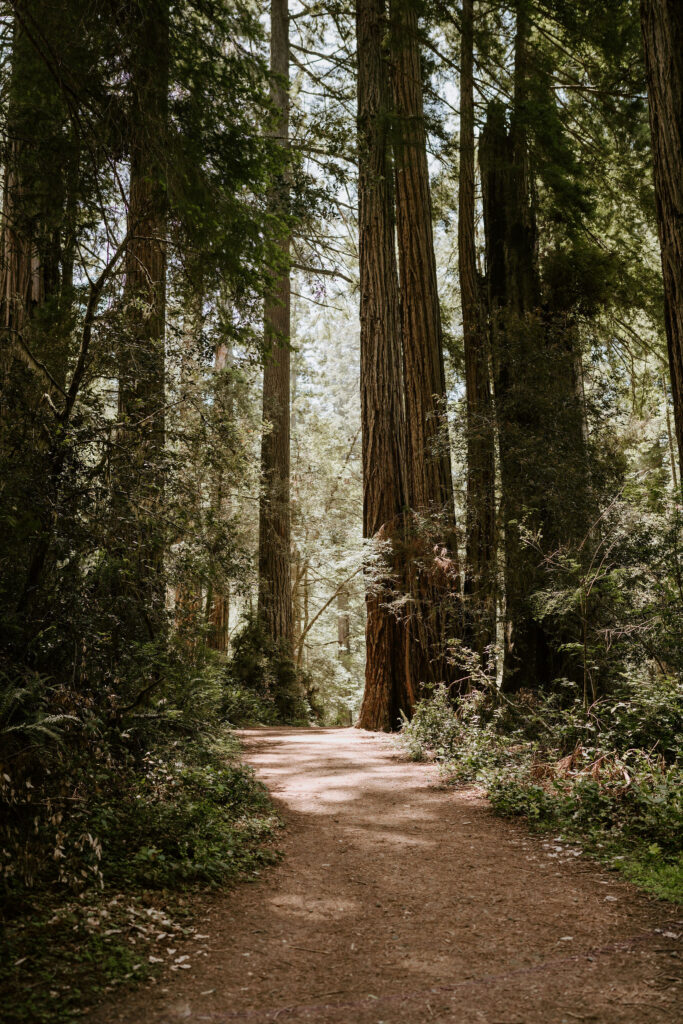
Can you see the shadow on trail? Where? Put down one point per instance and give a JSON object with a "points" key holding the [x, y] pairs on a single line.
{"points": [[399, 901]]}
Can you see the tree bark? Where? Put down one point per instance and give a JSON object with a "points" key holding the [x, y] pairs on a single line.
{"points": [[662, 27], [538, 409], [37, 162], [218, 595], [139, 467], [517, 347], [275, 584], [343, 625], [385, 492], [480, 560], [40, 183], [430, 482], [431, 618], [219, 621]]}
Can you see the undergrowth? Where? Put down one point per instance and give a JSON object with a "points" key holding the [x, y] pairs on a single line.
{"points": [[118, 796], [610, 777], [97, 869]]}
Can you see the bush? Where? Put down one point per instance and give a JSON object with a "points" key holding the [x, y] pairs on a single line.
{"points": [[543, 757], [242, 706], [259, 668], [190, 815], [114, 870]]}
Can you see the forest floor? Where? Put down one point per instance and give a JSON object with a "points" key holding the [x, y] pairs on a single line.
{"points": [[401, 900]]}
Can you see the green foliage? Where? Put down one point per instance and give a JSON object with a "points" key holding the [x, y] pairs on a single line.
{"points": [[663, 879], [243, 706], [434, 730], [257, 667], [170, 820], [25, 719], [614, 597], [188, 815], [611, 776]]}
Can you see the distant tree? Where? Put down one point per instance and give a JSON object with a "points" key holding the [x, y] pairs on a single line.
{"points": [[32, 243]]}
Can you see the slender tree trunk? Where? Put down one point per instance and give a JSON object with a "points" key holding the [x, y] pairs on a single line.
{"points": [[662, 25], [139, 467], [219, 620], [275, 585], [297, 604], [385, 495], [343, 625], [669, 433], [218, 596], [429, 475], [480, 568], [189, 612], [517, 347]]}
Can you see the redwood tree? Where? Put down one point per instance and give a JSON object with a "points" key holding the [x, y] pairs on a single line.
{"points": [[429, 476], [662, 26], [139, 462], [480, 568], [538, 410], [38, 164], [385, 488], [275, 584]]}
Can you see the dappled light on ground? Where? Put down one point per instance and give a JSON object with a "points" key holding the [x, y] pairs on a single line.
{"points": [[400, 901]]}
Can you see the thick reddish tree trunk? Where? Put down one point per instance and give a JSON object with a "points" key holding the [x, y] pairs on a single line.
{"points": [[36, 295], [431, 615], [662, 25], [480, 568], [385, 495], [138, 477], [33, 211], [275, 584], [538, 410]]}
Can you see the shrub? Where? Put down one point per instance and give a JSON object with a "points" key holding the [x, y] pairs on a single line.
{"points": [[259, 667], [611, 775]]}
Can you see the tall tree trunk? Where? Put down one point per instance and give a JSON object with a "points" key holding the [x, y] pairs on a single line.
{"points": [[517, 348], [275, 584], [139, 468], [37, 163], [538, 408], [219, 620], [662, 25], [40, 183], [480, 567], [385, 494], [188, 605], [218, 594], [429, 475]]}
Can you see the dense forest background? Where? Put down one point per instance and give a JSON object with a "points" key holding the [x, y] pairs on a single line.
{"points": [[342, 382]]}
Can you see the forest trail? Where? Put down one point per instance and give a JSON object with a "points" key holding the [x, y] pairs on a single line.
{"points": [[401, 901]]}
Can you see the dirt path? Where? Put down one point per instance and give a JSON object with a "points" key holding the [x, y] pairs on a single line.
{"points": [[400, 902]]}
